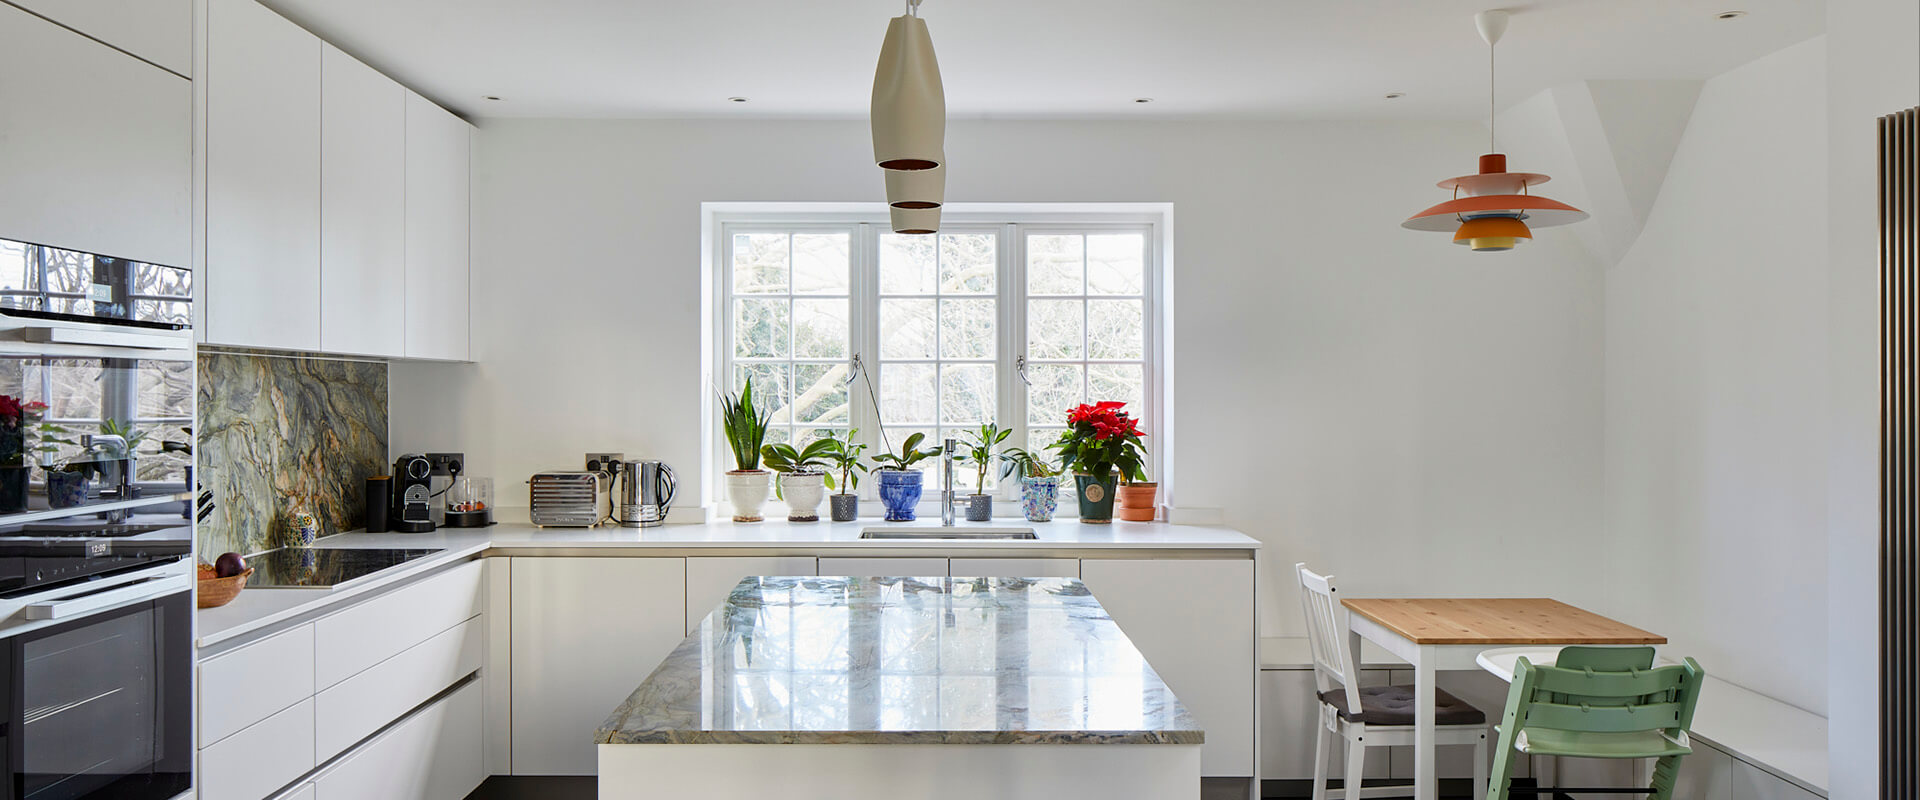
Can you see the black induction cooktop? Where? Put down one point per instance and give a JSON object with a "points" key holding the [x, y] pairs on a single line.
{"points": [[324, 568]]}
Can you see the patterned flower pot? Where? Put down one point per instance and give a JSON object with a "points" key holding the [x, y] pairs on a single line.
{"points": [[67, 489], [747, 490], [803, 493], [979, 508], [1137, 501], [1096, 498], [900, 493], [1039, 497], [846, 507]]}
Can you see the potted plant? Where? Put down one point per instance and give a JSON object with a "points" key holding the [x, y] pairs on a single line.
{"points": [[1039, 482], [746, 428], [802, 477], [899, 481], [1101, 446], [979, 453], [843, 456], [16, 418]]}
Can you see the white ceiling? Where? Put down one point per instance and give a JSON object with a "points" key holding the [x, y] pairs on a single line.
{"points": [[1280, 59]]}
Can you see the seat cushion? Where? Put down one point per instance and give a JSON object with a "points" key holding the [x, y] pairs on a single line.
{"points": [[1393, 705]]}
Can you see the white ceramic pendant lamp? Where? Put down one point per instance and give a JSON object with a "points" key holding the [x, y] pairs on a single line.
{"points": [[909, 117], [1493, 210]]}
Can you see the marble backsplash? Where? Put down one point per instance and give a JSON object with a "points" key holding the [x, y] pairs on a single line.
{"points": [[278, 434]]}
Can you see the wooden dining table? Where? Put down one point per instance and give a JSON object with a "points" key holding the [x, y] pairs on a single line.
{"points": [[1449, 633]]}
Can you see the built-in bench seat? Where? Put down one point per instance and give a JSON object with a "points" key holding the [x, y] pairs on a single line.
{"points": [[1755, 746]]}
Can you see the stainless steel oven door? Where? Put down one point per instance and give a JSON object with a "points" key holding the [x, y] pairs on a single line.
{"points": [[99, 707]]}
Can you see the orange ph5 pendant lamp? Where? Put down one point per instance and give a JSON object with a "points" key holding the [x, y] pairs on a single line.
{"points": [[1493, 210]]}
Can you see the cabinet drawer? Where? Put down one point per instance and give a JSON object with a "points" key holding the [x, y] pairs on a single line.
{"points": [[1014, 567], [247, 685], [374, 631], [884, 567], [260, 759], [364, 703], [432, 755]]}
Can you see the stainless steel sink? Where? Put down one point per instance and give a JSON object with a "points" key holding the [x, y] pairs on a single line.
{"points": [[948, 533]]}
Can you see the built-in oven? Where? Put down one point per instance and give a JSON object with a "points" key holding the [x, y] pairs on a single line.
{"points": [[97, 707]]}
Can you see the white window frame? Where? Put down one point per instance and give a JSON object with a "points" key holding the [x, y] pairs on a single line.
{"points": [[1013, 222]]}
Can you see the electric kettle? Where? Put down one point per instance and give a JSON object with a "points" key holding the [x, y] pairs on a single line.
{"points": [[646, 492]]}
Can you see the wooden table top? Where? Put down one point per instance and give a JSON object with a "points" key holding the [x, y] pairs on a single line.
{"points": [[1497, 621]]}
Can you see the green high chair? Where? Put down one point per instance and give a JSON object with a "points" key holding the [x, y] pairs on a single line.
{"points": [[1599, 702]]}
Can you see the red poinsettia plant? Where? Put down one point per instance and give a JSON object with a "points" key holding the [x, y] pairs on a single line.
{"points": [[1103, 440], [15, 418]]}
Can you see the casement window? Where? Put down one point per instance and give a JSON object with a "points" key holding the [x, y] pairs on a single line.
{"points": [[1012, 318]]}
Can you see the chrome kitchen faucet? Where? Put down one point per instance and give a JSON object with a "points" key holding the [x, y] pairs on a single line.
{"points": [[946, 482]]}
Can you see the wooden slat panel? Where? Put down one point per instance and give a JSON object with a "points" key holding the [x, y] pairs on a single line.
{"points": [[1497, 621]]}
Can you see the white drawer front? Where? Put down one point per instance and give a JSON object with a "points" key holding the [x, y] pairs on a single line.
{"points": [[362, 704], [855, 567], [433, 755], [242, 687], [1014, 567], [260, 759], [374, 631]]}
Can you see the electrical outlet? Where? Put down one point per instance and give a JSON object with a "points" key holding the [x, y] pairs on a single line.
{"points": [[447, 463], [604, 462]]}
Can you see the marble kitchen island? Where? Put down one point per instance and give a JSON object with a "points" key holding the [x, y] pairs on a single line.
{"points": [[935, 687]]}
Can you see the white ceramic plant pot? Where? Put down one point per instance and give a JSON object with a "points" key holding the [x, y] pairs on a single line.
{"points": [[747, 490], [803, 493]]}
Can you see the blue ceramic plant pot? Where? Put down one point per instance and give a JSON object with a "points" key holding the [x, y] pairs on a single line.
{"points": [[1039, 497], [899, 492], [67, 489]]}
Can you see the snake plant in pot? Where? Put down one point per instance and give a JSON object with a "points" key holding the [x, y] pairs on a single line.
{"points": [[979, 453], [900, 483], [1039, 482], [746, 428], [843, 457], [802, 480], [1102, 446]]}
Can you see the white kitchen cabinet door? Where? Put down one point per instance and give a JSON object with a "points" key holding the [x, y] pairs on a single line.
{"points": [[263, 179], [432, 755], [1290, 718], [884, 567], [253, 682], [586, 632], [1014, 567], [159, 31], [304, 791], [363, 207], [1193, 620], [259, 760], [96, 146], [710, 580], [438, 203]]}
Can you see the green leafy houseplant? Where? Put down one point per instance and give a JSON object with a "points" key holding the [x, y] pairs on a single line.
{"points": [[1024, 463], [843, 456], [979, 452], [1103, 441], [746, 427], [786, 460], [909, 455]]}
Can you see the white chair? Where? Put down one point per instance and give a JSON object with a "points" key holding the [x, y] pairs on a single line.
{"points": [[1373, 716]]}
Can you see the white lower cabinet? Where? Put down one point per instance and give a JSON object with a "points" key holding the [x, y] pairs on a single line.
{"points": [[304, 791], [434, 754], [873, 567], [358, 706], [1013, 567], [586, 632], [710, 580], [1193, 620], [266, 756]]}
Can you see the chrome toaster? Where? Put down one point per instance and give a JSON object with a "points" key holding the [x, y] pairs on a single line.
{"points": [[565, 499]]}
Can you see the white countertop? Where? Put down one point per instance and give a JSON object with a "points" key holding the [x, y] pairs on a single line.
{"points": [[259, 608]]}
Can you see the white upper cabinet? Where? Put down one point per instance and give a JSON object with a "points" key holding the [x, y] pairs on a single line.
{"points": [[438, 144], [363, 208], [263, 179], [156, 31], [96, 148]]}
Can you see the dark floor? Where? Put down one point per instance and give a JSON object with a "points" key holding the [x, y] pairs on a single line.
{"points": [[571, 788]]}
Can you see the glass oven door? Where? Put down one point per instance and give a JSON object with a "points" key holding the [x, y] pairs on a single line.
{"points": [[100, 706]]}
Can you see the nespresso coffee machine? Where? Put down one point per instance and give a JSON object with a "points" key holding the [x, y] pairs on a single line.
{"points": [[412, 501]]}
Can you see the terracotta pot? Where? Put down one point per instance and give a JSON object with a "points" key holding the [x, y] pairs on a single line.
{"points": [[747, 490], [1137, 501]]}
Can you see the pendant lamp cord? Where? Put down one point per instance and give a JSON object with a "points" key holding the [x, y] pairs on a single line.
{"points": [[913, 8], [1491, 143]]}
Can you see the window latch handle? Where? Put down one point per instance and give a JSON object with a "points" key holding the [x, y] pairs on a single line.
{"points": [[1020, 368]]}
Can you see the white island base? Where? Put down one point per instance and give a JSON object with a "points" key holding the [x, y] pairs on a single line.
{"points": [[921, 771]]}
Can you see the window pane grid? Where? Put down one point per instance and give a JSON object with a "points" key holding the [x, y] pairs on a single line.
{"points": [[792, 326]]}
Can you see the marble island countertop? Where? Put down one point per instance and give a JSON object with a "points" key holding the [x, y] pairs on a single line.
{"points": [[935, 660]]}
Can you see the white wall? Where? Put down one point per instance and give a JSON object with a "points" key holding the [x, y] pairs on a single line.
{"points": [[1873, 68], [1413, 417], [1716, 389]]}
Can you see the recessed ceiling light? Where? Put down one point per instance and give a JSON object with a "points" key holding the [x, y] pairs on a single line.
{"points": [[1396, 95], [1731, 15], [736, 99], [491, 97], [1143, 99]]}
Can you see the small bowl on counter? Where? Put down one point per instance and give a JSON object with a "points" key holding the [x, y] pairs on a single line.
{"points": [[217, 592]]}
